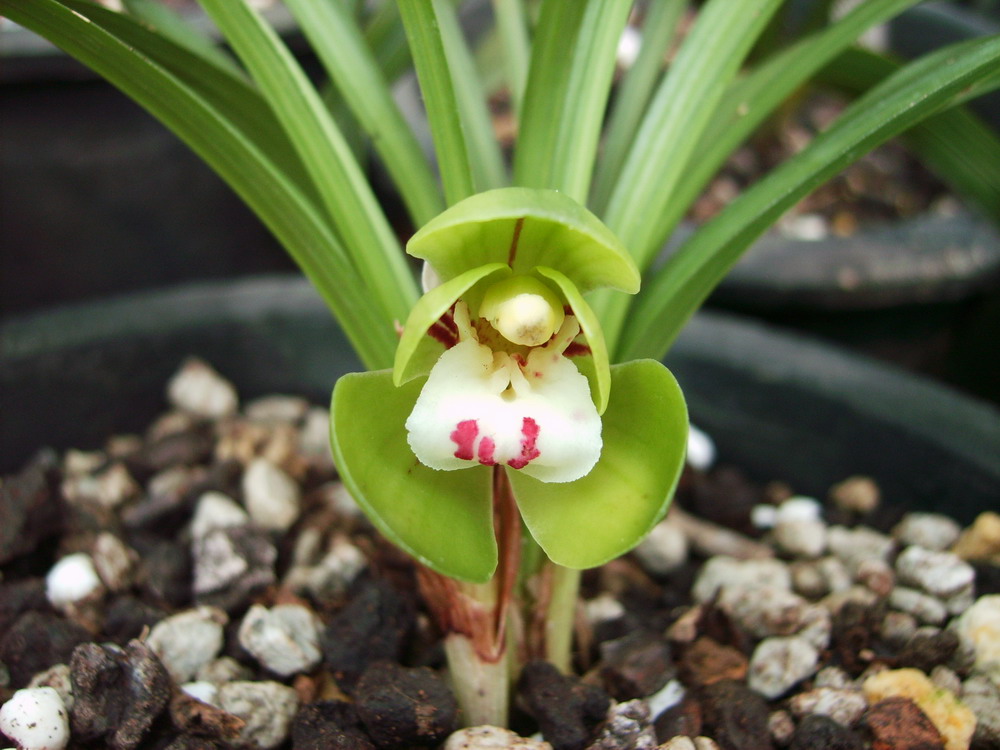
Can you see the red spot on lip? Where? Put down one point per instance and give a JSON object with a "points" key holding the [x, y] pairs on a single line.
{"points": [[576, 350], [529, 436], [486, 448], [464, 435]]}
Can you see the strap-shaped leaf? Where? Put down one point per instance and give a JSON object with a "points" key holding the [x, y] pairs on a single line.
{"points": [[754, 98], [956, 145], [682, 106], [573, 61], [659, 29], [266, 188], [917, 91], [443, 518], [339, 42], [585, 523], [525, 228], [345, 193], [417, 351], [228, 91], [468, 156]]}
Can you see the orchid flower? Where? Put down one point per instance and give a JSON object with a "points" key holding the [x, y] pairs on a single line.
{"points": [[502, 365]]}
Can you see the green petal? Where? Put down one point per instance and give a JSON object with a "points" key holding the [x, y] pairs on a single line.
{"points": [[442, 518], [417, 352], [597, 366], [585, 523], [555, 231]]}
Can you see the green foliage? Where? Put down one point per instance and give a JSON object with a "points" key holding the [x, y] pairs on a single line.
{"points": [[262, 125]]}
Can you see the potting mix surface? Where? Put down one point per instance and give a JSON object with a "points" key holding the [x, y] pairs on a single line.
{"points": [[210, 584]]}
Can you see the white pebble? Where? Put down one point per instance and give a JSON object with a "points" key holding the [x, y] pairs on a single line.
{"points": [[113, 561], [941, 574], [800, 508], [271, 496], [832, 677], [205, 692], [700, 449], [765, 610], [980, 626], [663, 550], [782, 726], [779, 663], [722, 571], [185, 642], [314, 438], [56, 677], [800, 537], [284, 639], [923, 606], [36, 719], [806, 227], [844, 705], [603, 608], [222, 670], [216, 510], [276, 408], [77, 463], [266, 707], [72, 580], [764, 516], [931, 531], [334, 574], [853, 546], [898, 628], [667, 696], [198, 389], [488, 737]]}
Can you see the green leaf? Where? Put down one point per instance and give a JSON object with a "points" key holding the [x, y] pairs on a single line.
{"points": [[340, 44], [345, 193], [468, 156], [166, 21], [681, 109], [443, 518], [754, 98], [955, 144], [234, 155], [417, 352], [659, 29], [555, 231], [573, 61], [485, 158], [512, 26], [226, 88], [919, 90], [585, 523], [597, 369]]}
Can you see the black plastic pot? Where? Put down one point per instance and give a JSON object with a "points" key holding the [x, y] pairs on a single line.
{"points": [[780, 406], [923, 293], [98, 197]]}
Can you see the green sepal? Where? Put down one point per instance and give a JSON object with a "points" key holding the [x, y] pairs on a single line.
{"points": [[585, 523], [596, 366], [442, 518], [417, 352], [556, 232]]}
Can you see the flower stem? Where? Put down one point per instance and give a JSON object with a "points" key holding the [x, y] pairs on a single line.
{"points": [[474, 619]]}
